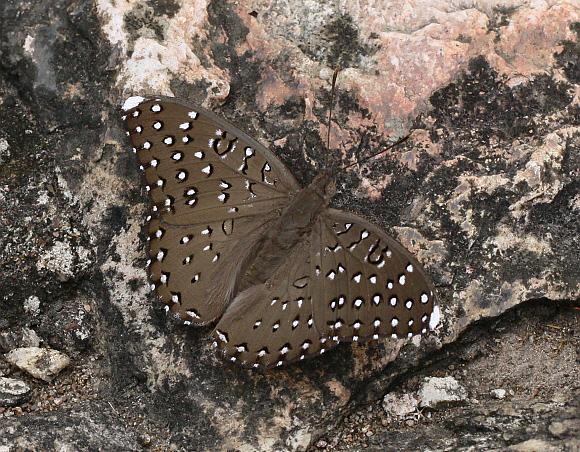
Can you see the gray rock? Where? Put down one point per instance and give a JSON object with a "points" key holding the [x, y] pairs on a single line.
{"points": [[490, 425], [23, 337], [43, 363], [436, 392], [13, 392], [485, 193], [399, 405], [498, 393], [88, 427]]}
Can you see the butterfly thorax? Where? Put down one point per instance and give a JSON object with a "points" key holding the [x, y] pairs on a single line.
{"points": [[292, 227]]}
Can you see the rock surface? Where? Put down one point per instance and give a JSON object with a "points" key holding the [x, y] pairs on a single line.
{"points": [[13, 392], [39, 362], [436, 391], [86, 427], [485, 193]]}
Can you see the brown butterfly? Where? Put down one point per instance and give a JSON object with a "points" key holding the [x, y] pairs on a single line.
{"points": [[234, 239]]}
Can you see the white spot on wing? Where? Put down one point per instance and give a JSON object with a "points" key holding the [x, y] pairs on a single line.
{"points": [[132, 102], [193, 314]]}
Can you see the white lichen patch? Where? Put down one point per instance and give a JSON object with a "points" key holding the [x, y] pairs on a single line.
{"points": [[43, 198], [398, 406], [506, 239], [32, 305], [152, 65], [63, 260], [4, 149]]}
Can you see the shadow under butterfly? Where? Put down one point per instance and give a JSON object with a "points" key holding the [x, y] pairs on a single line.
{"points": [[234, 239]]}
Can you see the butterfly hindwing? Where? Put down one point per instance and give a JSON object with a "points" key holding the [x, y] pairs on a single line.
{"points": [[195, 269], [272, 324], [367, 284]]}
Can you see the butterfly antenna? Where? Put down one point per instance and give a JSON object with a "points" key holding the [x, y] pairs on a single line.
{"points": [[332, 92], [360, 162]]}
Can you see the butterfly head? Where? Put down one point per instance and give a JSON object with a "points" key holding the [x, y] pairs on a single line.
{"points": [[324, 185]]}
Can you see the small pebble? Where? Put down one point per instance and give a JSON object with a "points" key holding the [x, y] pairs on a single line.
{"points": [[498, 393]]}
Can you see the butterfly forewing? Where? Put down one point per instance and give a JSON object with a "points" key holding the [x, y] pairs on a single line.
{"points": [[367, 284], [213, 189], [199, 167]]}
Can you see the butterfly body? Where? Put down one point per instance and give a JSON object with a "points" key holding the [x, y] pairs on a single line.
{"points": [[234, 239]]}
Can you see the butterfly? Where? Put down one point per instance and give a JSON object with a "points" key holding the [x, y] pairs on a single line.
{"points": [[236, 241]]}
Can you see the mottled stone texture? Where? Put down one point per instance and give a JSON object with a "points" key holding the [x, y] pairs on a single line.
{"points": [[485, 193]]}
